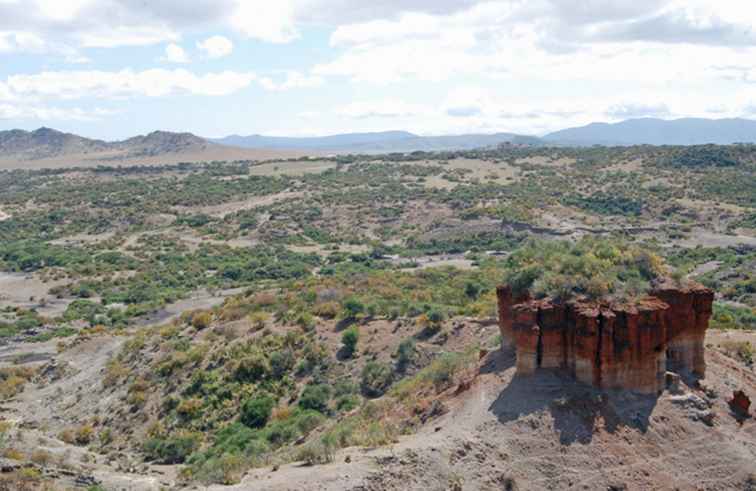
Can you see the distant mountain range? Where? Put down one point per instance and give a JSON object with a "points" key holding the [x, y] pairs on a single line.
{"points": [[686, 131], [645, 131], [379, 142], [47, 145]]}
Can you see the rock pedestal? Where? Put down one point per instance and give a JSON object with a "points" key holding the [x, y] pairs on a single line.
{"points": [[610, 345]]}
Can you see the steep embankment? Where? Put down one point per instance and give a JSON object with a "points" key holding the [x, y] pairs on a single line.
{"points": [[549, 432]]}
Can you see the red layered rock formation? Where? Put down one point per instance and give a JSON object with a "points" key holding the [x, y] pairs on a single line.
{"points": [[610, 345]]}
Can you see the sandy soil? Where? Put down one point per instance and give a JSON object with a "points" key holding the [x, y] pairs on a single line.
{"points": [[712, 239], [81, 239], [197, 301], [209, 154], [550, 161], [297, 168], [28, 291], [3, 216], [322, 250], [224, 209]]}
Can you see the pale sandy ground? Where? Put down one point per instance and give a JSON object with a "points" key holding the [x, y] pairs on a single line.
{"points": [[3, 216], [712, 239], [28, 291], [224, 209], [210, 154], [485, 171], [297, 168]]}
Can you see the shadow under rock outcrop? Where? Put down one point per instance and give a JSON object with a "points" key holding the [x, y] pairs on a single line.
{"points": [[498, 361], [578, 411]]}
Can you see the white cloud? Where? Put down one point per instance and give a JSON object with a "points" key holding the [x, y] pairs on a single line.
{"points": [[386, 108], [216, 47], [272, 21], [638, 110], [127, 83], [42, 113], [292, 80], [175, 54]]}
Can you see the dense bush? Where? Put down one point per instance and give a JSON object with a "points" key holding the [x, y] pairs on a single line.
{"points": [[256, 411], [590, 267]]}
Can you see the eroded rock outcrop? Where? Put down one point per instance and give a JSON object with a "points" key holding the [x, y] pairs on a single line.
{"points": [[610, 344]]}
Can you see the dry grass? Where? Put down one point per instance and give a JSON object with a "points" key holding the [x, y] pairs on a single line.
{"points": [[13, 379]]}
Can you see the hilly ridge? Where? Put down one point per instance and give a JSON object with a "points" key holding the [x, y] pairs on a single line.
{"points": [[46, 146], [650, 131], [47, 143], [378, 142]]}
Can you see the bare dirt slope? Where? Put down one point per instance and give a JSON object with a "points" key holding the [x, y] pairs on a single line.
{"points": [[547, 432]]}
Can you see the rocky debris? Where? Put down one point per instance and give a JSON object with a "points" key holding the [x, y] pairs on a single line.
{"points": [[51, 372], [610, 344], [697, 408], [673, 383], [740, 403]]}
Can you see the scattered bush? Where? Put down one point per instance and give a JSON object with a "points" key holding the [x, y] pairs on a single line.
{"points": [[172, 450], [405, 353], [349, 341], [352, 308], [376, 379], [315, 397], [202, 320]]}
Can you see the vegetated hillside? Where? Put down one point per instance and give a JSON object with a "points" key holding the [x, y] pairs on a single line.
{"points": [[153, 314], [46, 143], [381, 142], [650, 131], [159, 142]]}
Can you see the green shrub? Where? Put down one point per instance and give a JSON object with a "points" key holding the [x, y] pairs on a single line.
{"points": [[172, 450], [349, 340], [315, 397], [255, 411], [251, 368], [405, 353], [353, 307], [376, 379]]}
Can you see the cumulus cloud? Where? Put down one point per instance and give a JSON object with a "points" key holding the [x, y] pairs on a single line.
{"points": [[175, 54], [216, 47]]}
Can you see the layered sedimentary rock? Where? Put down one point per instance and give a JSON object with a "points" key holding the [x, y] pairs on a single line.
{"points": [[610, 345]]}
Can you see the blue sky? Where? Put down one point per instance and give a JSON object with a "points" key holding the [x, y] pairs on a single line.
{"points": [[116, 68]]}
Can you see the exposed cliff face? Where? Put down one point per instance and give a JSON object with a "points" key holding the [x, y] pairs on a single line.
{"points": [[610, 345]]}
